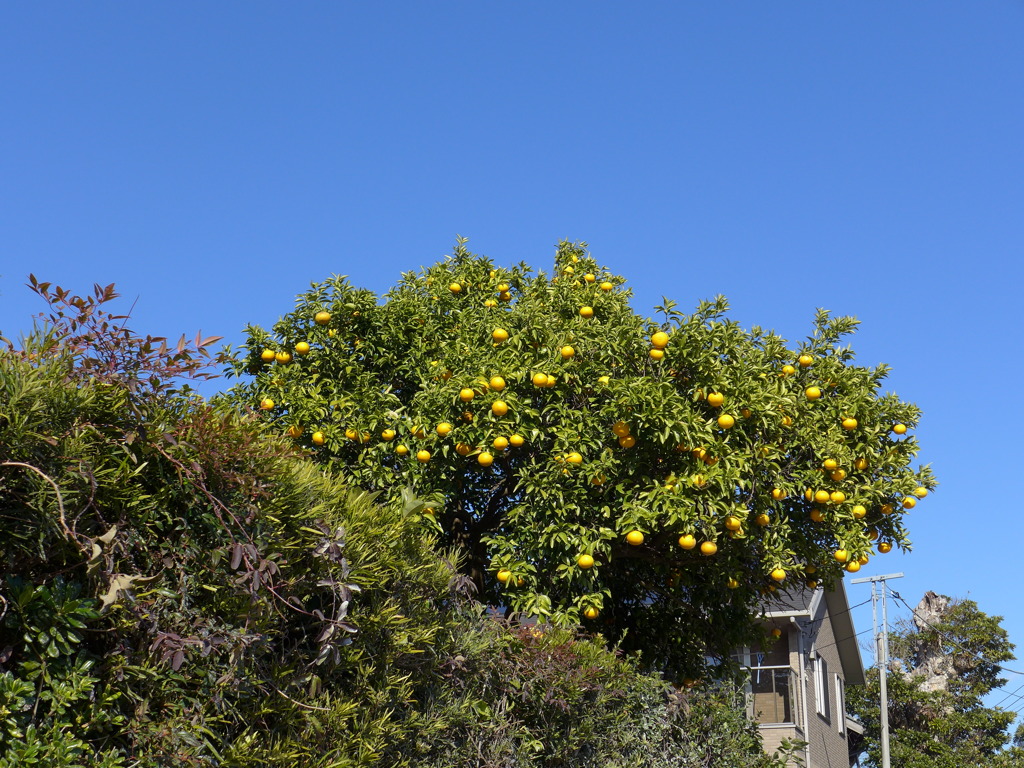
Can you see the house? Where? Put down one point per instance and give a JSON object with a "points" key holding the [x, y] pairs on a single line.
{"points": [[797, 684]]}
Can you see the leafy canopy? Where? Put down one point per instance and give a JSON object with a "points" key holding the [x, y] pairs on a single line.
{"points": [[651, 479]]}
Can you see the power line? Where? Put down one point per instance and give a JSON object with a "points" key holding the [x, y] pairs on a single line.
{"points": [[946, 637]]}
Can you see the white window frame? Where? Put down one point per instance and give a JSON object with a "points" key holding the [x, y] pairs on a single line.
{"points": [[821, 686], [841, 705]]}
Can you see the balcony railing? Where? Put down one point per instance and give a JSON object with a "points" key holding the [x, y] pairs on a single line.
{"points": [[770, 694]]}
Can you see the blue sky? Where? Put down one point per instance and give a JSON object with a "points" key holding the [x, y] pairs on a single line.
{"points": [[213, 159]]}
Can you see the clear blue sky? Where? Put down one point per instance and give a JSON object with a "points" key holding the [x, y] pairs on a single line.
{"points": [[214, 158]]}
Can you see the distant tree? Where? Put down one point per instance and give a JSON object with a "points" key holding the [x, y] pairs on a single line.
{"points": [[651, 480], [945, 660]]}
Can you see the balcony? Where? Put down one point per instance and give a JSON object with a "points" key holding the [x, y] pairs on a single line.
{"points": [[770, 694]]}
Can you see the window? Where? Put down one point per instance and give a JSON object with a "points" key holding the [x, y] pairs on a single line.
{"points": [[821, 686], [770, 683], [840, 705]]}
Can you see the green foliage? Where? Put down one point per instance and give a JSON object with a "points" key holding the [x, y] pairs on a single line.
{"points": [[397, 393], [181, 588], [526, 696], [938, 725]]}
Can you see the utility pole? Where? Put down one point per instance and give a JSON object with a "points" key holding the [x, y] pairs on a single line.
{"points": [[881, 650]]}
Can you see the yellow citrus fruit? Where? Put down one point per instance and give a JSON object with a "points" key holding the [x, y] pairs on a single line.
{"points": [[499, 407], [591, 612], [585, 561], [733, 523], [490, 303], [504, 575], [812, 584], [603, 380], [466, 394], [920, 492], [817, 515], [863, 559], [762, 520], [606, 286], [884, 547], [627, 441], [499, 335], [267, 355], [400, 449], [351, 433], [589, 277], [302, 348], [708, 548], [540, 379], [586, 311], [872, 534], [725, 421], [659, 340], [837, 497], [812, 393], [455, 288], [788, 370], [716, 399], [423, 456], [860, 511], [294, 431], [497, 383], [778, 494], [686, 541], [322, 318], [839, 475], [841, 555], [550, 381], [283, 357], [657, 354], [485, 459], [574, 458], [910, 502], [500, 443], [732, 583], [444, 428], [830, 464], [805, 360], [887, 509], [636, 538], [462, 449], [849, 424], [364, 437], [900, 429], [516, 441], [620, 428], [779, 574], [822, 497], [505, 296], [502, 287], [388, 434], [318, 438], [861, 464], [567, 352], [809, 494], [787, 421], [266, 403]]}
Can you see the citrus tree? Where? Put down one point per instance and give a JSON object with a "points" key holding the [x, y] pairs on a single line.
{"points": [[649, 479]]}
